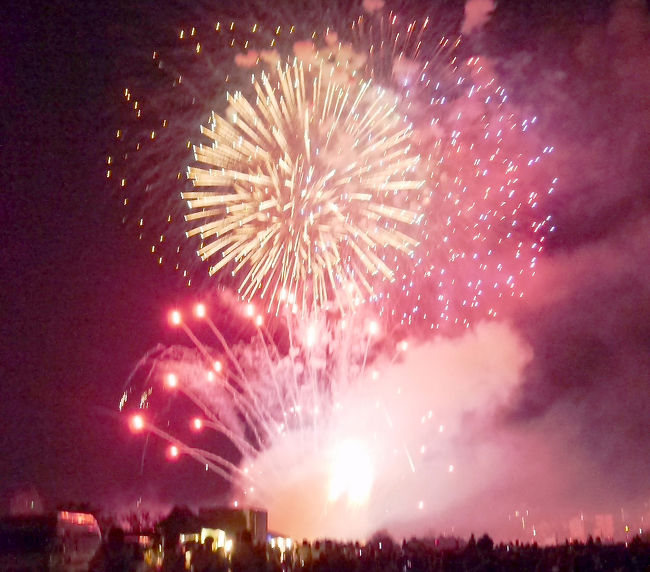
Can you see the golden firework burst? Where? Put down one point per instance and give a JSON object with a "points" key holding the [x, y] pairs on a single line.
{"points": [[305, 189]]}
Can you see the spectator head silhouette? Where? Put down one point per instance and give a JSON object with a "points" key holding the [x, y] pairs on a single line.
{"points": [[115, 539]]}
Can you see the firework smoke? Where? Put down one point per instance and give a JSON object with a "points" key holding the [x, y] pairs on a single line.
{"points": [[333, 443], [477, 14], [393, 455]]}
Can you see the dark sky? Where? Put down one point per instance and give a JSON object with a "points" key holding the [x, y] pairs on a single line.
{"points": [[82, 300], [68, 268]]}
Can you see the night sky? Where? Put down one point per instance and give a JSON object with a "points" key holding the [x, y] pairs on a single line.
{"points": [[82, 299]]}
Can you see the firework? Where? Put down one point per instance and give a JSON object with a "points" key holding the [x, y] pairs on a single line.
{"points": [[371, 438], [253, 392], [303, 191], [366, 166], [274, 214]]}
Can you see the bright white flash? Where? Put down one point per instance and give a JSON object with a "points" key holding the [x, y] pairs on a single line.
{"points": [[351, 473]]}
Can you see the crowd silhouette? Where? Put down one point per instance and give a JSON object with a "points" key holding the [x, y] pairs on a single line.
{"points": [[418, 556], [381, 554]]}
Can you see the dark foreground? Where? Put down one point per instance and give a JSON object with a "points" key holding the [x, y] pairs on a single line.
{"points": [[420, 555]]}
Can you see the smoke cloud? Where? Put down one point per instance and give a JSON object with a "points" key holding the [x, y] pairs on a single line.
{"points": [[477, 14], [414, 440]]}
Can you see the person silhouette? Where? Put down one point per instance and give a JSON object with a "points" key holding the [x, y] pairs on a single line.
{"points": [[113, 555]]}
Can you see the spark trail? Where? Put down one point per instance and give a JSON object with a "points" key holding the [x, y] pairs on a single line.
{"points": [[342, 434]]}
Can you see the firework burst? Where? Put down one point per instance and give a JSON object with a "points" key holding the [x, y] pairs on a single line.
{"points": [[327, 165], [305, 189], [370, 436]]}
